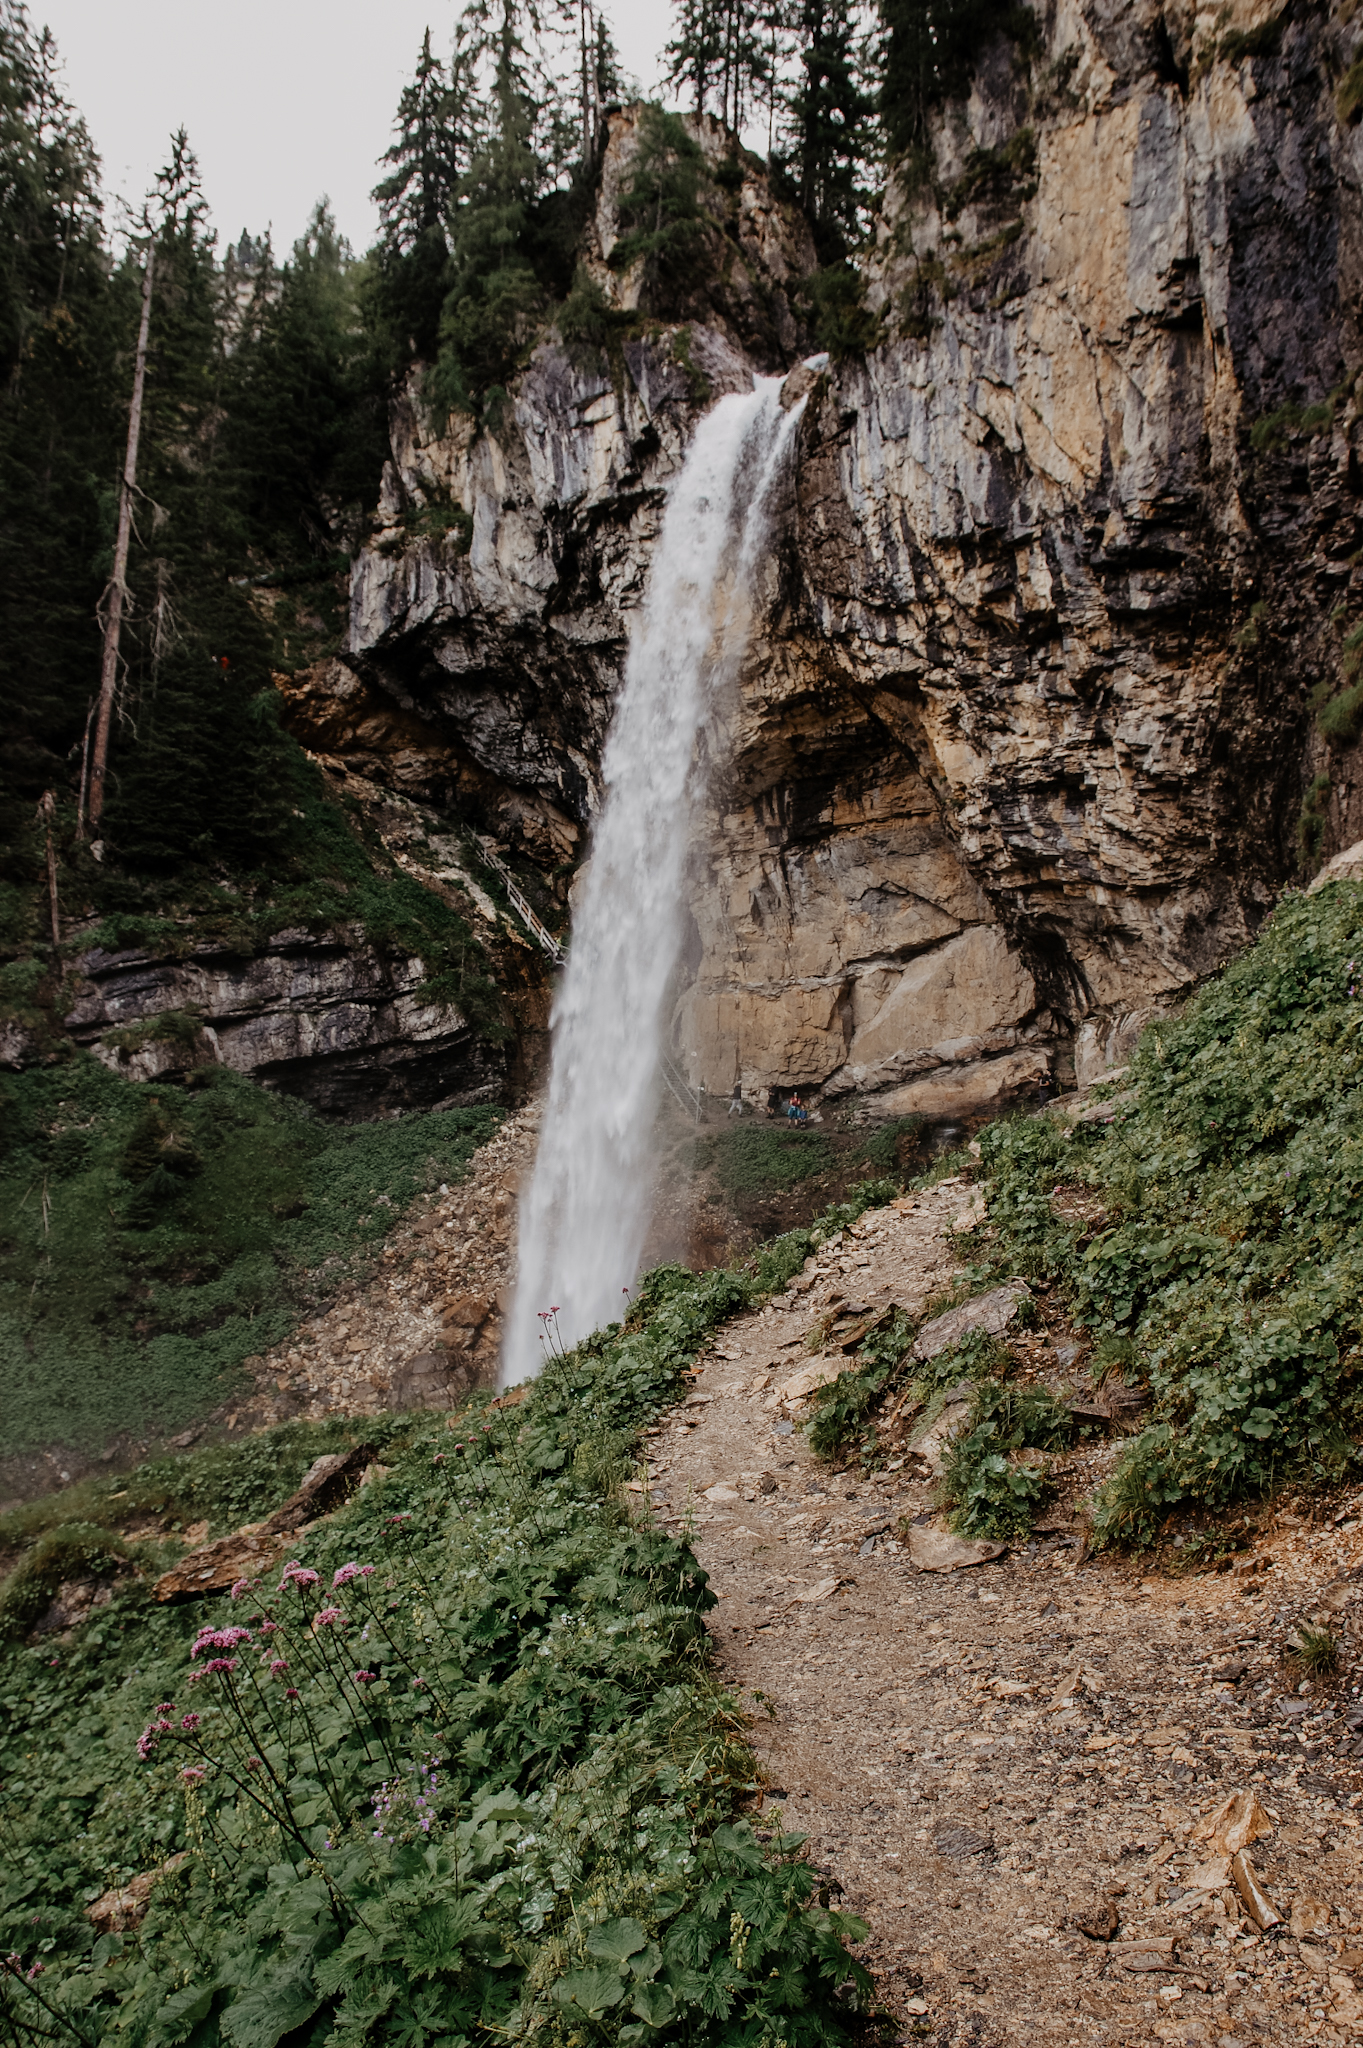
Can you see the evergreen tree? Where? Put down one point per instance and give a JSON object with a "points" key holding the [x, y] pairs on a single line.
{"points": [[930, 50], [661, 215], [305, 425], [433, 148], [495, 298], [721, 54], [831, 122], [60, 324]]}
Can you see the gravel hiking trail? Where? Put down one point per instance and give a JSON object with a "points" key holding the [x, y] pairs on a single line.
{"points": [[991, 1759]]}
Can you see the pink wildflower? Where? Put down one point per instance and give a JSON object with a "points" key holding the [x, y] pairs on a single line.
{"points": [[291, 1692], [297, 1575], [365, 1677], [189, 1722], [219, 1639], [193, 1774], [278, 1665], [240, 1587], [269, 1628], [346, 1572]]}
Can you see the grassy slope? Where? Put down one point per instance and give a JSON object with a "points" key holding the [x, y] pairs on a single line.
{"points": [[581, 1868], [154, 1238], [1227, 1266]]}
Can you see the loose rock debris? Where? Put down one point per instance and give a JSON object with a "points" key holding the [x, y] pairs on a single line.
{"points": [[1019, 1773]]}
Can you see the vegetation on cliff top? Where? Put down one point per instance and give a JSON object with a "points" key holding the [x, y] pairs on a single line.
{"points": [[462, 1770]]}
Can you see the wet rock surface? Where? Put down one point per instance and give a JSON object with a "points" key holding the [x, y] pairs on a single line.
{"points": [[1016, 1770]]}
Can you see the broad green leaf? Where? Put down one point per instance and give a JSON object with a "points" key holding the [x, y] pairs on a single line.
{"points": [[262, 2016], [616, 1940], [594, 1991]]}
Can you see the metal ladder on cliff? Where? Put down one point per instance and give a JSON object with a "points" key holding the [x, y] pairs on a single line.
{"points": [[535, 925]]}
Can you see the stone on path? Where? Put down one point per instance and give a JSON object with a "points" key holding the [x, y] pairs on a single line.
{"points": [[934, 1550], [992, 1312]]}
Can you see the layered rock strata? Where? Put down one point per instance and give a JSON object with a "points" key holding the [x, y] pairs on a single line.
{"points": [[1020, 746], [331, 1016]]}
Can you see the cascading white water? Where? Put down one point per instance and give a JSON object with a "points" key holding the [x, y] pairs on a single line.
{"points": [[585, 1215]]}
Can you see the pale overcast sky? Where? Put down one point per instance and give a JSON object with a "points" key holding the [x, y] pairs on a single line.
{"points": [[284, 100]]}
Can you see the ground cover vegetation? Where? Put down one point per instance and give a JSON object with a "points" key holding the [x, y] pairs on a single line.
{"points": [[155, 1238], [1204, 1236], [458, 1770]]}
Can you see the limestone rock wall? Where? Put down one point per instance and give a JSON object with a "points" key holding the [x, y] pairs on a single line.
{"points": [[1021, 743]]}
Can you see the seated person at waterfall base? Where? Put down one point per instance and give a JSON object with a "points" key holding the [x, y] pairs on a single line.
{"points": [[796, 1113]]}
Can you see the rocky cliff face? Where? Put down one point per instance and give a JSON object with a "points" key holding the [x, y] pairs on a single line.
{"points": [[1020, 745]]}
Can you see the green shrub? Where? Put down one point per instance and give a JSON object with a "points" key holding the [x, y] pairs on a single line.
{"points": [[589, 324], [1312, 820], [893, 1142], [1271, 434], [844, 324], [1316, 1652], [760, 1158], [1341, 719]]}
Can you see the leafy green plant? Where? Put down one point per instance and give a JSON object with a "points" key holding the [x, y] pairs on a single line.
{"points": [[993, 1492], [839, 1410]]}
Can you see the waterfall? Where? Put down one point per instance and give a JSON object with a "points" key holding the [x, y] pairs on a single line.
{"points": [[585, 1215]]}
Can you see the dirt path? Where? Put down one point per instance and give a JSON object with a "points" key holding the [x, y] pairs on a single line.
{"points": [[982, 1758]]}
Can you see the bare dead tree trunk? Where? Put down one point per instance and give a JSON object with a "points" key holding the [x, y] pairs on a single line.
{"points": [[118, 582], [47, 809]]}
